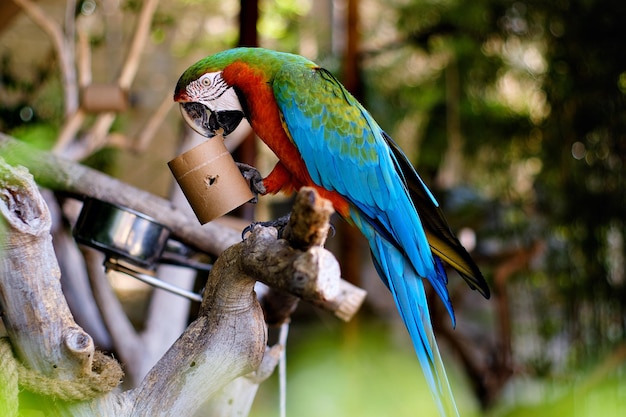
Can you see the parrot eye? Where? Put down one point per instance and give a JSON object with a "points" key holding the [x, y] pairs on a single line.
{"points": [[205, 80]]}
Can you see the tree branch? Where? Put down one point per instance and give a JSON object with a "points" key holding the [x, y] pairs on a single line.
{"points": [[28, 238], [60, 174], [59, 357]]}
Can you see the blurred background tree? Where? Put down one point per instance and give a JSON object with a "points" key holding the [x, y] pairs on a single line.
{"points": [[513, 112]]}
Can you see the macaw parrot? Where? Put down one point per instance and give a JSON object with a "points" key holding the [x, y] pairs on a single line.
{"points": [[324, 138]]}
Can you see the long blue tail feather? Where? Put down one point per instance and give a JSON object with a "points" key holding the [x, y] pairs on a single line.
{"points": [[407, 287], [410, 297]]}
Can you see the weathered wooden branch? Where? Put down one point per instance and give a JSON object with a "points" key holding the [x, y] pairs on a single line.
{"points": [[203, 370], [60, 174], [43, 333], [63, 175], [26, 252]]}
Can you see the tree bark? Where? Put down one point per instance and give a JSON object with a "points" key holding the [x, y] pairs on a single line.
{"points": [[44, 333], [53, 349]]}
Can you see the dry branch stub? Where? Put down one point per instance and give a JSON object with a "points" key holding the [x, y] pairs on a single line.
{"points": [[314, 270], [310, 220]]}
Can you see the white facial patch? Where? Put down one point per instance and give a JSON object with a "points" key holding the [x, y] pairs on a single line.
{"points": [[212, 91]]}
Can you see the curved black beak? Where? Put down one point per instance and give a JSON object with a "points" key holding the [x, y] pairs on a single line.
{"points": [[208, 123]]}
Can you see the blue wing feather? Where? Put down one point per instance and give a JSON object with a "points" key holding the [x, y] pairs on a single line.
{"points": [[344, 150]]}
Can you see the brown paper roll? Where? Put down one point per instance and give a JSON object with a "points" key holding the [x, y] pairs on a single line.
{"points": [[210, 180]]}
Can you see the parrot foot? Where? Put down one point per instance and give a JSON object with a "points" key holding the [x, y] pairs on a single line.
{"points": [[254, 178], [279, 224]]}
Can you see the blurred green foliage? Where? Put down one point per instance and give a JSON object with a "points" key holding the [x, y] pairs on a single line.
{"points": [[542, 114]]}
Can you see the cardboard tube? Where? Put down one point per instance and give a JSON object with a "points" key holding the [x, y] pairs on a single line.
{"points": [[210, 180]]}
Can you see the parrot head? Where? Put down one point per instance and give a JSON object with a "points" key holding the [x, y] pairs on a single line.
{"points": [[208, 104], [214, 93]]}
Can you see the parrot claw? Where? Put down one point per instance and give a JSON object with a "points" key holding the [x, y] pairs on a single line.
{"points": [[253, 176], [279, 224]]}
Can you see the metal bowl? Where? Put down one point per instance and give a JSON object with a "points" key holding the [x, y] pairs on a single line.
{"points": [[121, 233]]}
